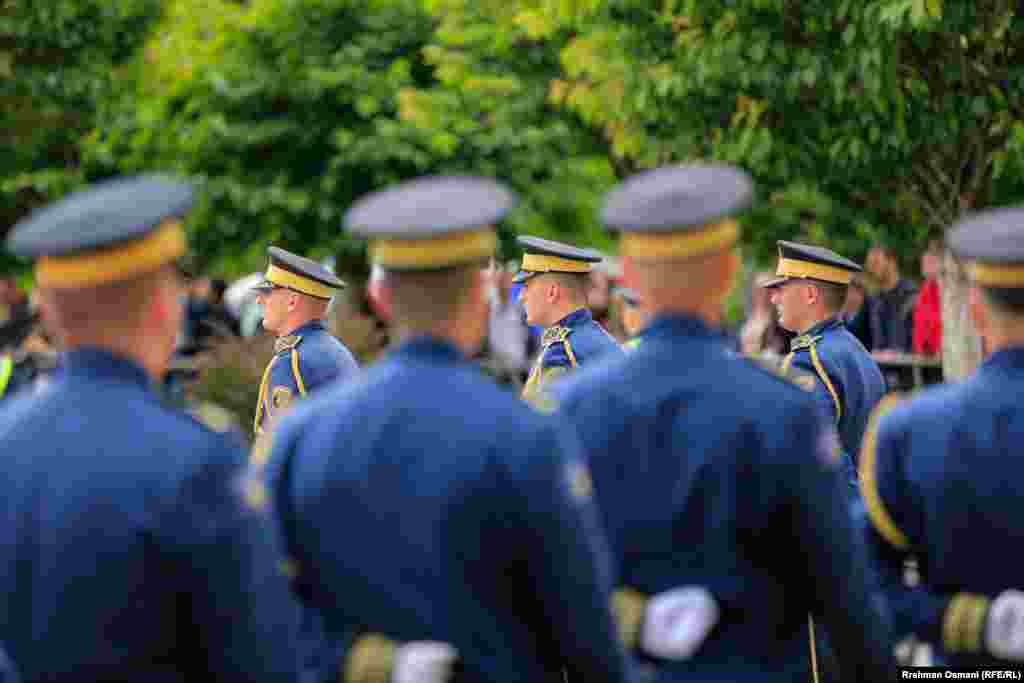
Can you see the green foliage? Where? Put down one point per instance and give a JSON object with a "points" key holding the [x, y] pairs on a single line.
{"points": [[860, 119], [61, 62], [284, 114], [289, 110], [857, 118]]}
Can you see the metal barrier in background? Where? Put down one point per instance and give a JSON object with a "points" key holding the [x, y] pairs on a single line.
{"points": [[907, 371]]}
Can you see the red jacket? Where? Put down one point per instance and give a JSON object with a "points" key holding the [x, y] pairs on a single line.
{"points": [[928, 319]]}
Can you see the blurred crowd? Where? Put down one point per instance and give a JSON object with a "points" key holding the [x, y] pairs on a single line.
{"points": [[890, 313]]}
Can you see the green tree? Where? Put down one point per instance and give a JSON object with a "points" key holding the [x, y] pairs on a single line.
{"points": [[61, 62], [860, 119], [288, 111]]}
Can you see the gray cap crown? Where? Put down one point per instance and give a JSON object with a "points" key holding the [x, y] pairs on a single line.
{"points": [[676, 197], [430, 207], [103, 215]]}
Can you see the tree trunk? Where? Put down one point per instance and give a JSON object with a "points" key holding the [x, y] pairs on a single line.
{"points": [[961, 347]]}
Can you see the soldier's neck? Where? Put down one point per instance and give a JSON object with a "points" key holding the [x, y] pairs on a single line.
{"points": [[562, 312], [295, 323], [817, 317], [463, 337], [152, 358]]}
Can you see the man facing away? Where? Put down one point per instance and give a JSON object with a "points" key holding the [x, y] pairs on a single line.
{"points": [[939, 473], [294, 295], [555, 280], [710, 471], [470, 512], [132, 546]]}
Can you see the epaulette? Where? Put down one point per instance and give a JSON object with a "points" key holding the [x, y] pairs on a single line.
{"points": [[555, 334], [804, 341], [790, 375], [286, 343]]}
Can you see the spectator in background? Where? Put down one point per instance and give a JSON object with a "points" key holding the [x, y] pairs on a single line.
{"points": [[508, 335], [855, 311], [927, 335], [222, 319], [761, 333], [599, 290], [890, 311], [13, 301]]}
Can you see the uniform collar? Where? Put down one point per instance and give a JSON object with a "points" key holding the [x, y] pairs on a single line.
{"points": [[577, 317], [306, 327], [93, 363], [1006, 359], [676, 325], [429, 348], [826, 324]]}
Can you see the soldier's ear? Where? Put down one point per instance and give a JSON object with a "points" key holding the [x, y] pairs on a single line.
{"points": [[553, 288]]}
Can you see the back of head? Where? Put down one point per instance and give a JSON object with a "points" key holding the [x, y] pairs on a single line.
{"points": [[678, 232], [431, 238], [420, 300], [104, 265], [992, 245], [115, 309]]}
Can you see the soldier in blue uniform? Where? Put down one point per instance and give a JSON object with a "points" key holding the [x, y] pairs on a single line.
{"points": [[132, 546], [555, 280], [8, 674], [710, 471], [439, 506], [939, 473], [809, 295], [294, 295]]}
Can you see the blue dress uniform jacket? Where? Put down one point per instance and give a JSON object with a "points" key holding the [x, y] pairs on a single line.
{"points": [[304, 361], [8, 674], [131, 544], [720, 474], [847, 382], [574, 341], [424, 503], [939, 476]]}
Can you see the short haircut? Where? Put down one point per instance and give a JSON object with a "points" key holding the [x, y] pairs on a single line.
{"points": [[112, 305], [576, 284], [833, 294], [419, 299]]}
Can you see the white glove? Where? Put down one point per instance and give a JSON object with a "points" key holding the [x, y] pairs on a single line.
{"points": [[677, 622], [1004, 632], [424, 661]]}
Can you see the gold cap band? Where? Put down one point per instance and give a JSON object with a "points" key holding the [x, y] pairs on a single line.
{"points": [[113, 264], [545, 263], [1010, 276], [671, 245], [817, 271], [434, 252], [286, 278]]}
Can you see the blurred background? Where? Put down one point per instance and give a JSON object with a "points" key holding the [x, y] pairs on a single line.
{"points": [[869, 125]]}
